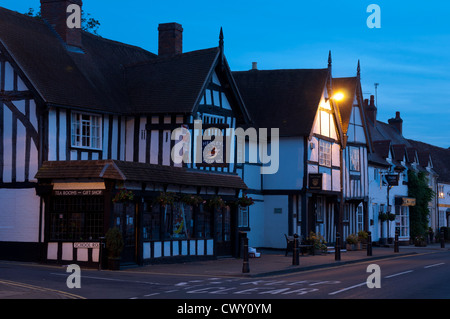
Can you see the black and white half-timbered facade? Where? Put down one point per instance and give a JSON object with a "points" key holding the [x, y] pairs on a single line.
{"points": [[303, 196], [96, 134], [357, 146]]}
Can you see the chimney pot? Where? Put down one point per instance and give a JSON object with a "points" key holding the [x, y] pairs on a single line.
{"points": [[170, 39], [371, 110], [397, 122], [254, 65]]}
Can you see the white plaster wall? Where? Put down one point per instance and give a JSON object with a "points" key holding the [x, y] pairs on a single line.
{"points": [[19, 215], [276, 225], [290, 172]]}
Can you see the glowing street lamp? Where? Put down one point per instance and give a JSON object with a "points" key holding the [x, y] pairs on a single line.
{"points": [[338, 96]]}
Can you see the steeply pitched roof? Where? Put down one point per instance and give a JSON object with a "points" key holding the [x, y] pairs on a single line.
{"points": [[348, 87], [109, 76], [284, 99], [132, 171], [93, 79], [439, 156], [173, 83]]}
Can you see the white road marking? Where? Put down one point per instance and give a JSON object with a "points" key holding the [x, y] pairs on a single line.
{"points": [[429, 266], [348, 288], [399, 274]]}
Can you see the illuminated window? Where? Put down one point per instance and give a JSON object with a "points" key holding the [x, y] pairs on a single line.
{"points": [[324, 153], [441, 191]]}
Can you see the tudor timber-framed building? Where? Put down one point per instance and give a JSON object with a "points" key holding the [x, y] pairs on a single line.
{"points": [[321, 140], [83, 117]]}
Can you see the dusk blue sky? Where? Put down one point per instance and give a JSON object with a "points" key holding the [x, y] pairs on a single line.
{"points": [[408, 56]]}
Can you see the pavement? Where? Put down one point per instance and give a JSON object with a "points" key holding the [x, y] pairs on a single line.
{"points": [[274, 262]]}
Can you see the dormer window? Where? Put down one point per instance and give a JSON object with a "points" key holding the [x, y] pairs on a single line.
{"points": [[86, 131]]}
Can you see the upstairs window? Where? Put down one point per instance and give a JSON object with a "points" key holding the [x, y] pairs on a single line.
{"points": [[441, 192], [86, 131], [324, 153], [354, 159]]}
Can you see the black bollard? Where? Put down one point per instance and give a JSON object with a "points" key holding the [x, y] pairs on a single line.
{"points": [[396, 242], [245, 265], [295, 253], [442, 238], [100, 257], [369, 244], [337, 248]]}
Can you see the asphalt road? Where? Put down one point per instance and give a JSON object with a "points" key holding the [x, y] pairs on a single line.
{"points": [[421, 276]]}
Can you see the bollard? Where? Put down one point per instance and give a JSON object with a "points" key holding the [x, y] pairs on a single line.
{"points": [[295, 252], [369, 244], [442, 238], [337, 248], [245, 266], [100, 257], [396, 242]]}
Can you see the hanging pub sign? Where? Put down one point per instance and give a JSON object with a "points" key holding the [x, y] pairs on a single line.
{"points": [[315, 181], [405, 201], [392, 179], [213, 152]]}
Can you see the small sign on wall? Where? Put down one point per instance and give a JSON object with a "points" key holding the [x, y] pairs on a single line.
{"points": [[315, 181], [277, 210], [86, 245], [392, 179]]}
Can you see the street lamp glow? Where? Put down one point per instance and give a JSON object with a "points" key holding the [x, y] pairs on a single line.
{"points": [[339, 96]]}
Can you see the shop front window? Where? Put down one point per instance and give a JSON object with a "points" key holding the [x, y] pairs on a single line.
{"points": [[203, 225], [176, 221], [76, 218], [402, 220], [151, 222]]}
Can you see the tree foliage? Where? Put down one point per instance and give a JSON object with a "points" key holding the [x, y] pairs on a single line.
{"points": [[418, 214], [88, 23]]}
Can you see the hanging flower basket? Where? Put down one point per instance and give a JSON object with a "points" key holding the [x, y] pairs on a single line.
{"points": [[245, 201], [386, 217], [165, 198], [123, 195], [215, 202], [193, 200]]}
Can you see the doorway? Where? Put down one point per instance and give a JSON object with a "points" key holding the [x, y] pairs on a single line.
{"points": [[223, 226], [125, 219]]}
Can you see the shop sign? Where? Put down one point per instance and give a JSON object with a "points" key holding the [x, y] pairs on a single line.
{"points": [[86, 245], [315, 181], [405, 201], [77, 192], [392, 179]]}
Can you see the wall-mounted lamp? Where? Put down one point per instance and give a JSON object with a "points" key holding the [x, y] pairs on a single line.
{"points": [[339, 96]]}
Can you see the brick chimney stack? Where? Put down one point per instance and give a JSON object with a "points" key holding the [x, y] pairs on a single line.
{"points": [[371, 110], [397, 122], [55, 13], [170, 39]]}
